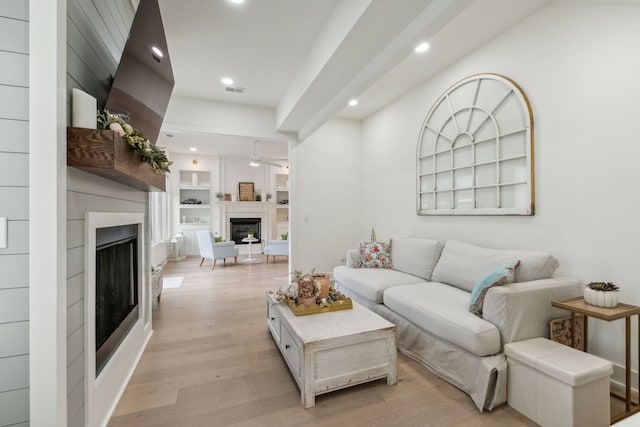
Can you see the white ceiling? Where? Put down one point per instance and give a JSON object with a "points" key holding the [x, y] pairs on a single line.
{"points": [[266, 45]]}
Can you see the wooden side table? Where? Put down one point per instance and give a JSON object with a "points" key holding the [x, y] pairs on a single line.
{"points": [[622, 311]]}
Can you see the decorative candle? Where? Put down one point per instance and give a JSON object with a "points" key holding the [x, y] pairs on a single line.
{"points": [[83, 109], [323, 278], [194, 179]]}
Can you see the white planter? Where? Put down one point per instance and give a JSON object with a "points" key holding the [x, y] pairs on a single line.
{"points": [[607, 299]]}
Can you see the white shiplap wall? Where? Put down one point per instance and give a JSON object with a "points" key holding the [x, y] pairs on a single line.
{"points": [[14, 195], [96, 33]]}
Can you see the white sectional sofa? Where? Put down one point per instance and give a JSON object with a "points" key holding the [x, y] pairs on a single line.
{"points": [[427, 295]]}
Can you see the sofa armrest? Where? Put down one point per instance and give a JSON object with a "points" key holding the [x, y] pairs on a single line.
{"points": [[523, 310], [353, 258]]}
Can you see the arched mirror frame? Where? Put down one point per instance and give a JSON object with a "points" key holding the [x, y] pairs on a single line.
{"points": [[475, 150]]}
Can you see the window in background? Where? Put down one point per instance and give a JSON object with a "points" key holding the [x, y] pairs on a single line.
{"points": [[159, 216]]}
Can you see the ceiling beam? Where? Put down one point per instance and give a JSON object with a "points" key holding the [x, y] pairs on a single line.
{"points": [[355, 50]]}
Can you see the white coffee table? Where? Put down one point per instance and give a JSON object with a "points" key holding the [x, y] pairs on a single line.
{"points": [[250, 259], [334, 350]]}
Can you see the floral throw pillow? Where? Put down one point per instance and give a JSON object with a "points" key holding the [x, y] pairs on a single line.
{"points": [[375, 254], [502, 274]]}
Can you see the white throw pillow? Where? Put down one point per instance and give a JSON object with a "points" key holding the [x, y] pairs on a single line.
{"points": [[462, 264], [415, 255]]}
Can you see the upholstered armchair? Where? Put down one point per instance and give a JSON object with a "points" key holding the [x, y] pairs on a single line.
{"points": [[210, 249], [276, 247]]}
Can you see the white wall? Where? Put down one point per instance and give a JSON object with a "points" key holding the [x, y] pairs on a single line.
{"points": [[577, 62], [325, 203]]}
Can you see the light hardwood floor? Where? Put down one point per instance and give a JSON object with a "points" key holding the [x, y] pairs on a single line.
{"points": [[211, 362]]}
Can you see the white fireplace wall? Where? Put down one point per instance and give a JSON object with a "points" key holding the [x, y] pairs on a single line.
{"points": [[89, 193]]}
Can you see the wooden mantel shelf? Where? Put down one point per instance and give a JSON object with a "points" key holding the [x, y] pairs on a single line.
{"points": [[102, 152]]}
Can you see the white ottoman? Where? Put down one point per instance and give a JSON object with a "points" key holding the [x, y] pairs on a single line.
{"points": [[556, 385]]}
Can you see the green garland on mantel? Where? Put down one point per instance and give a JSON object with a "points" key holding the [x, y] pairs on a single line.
{"points": [[119, 123]]}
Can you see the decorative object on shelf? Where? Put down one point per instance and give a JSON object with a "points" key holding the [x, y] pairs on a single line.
{"points": [[268, 198], [83, 108], [601, 294], [194, 179], [190, 201], [219, 196], [246, 191], [283, 202], [227, 197], [150, 153]]}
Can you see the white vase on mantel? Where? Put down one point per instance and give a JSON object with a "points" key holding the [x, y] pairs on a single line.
{"points": [[606, 299]]}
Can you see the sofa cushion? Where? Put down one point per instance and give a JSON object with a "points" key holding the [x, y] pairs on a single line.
{"points": [[499, 275], [370, 283], [462, 264], [442, 310], [417, 256], [375, 254]]}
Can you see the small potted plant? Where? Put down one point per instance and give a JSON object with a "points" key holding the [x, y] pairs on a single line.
{"points": [[219, 196], [268, 197], [601, 294], [250, 233]]}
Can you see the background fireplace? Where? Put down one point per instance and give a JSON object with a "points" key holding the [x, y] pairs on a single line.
{"points": [[116, 288], [239, 227]]}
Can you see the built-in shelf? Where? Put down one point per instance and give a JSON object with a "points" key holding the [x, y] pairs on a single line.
{"points": [[195, 206], [104, 153], [282, 202]]}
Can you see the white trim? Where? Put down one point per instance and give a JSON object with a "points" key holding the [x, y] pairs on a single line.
{"points": [[102, 393], [47, 213]]}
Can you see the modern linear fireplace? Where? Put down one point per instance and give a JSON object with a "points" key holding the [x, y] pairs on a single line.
{"points": [[117, 307], [240, 229], [116, 288]]}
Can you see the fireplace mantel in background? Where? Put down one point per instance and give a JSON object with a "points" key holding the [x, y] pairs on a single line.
{"points": [[266, 211]]}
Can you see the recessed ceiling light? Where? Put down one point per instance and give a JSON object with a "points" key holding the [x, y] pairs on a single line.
{"points": [[237, 1], [422, 47], [193, 149], [353, 102], [157, 51], [227, 81]]}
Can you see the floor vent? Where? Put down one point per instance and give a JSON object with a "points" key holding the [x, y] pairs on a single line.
{"points": [[234, 89]]}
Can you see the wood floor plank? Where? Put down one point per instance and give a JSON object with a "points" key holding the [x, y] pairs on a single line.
{"points": [[212, 362]]}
